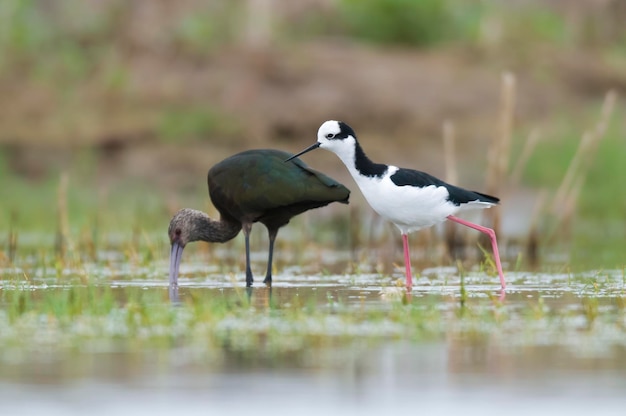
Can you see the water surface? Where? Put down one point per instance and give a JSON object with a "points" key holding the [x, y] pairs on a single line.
{"points": [[557, 343]]}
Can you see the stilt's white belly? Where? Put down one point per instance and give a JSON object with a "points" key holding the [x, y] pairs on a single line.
{"points": [[408, 207]]}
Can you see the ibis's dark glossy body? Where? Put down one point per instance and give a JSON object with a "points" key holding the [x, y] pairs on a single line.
{"points": [[253, 186]]}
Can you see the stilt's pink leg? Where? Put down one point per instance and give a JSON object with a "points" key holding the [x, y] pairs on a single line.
{"points": [[407, 261], [494, 243]]}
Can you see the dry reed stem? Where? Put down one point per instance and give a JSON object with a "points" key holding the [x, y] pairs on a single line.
{"points": [[532, 241], [452, 240], [62, 216], [12, 246], [584, 154], [449, 152], [569, 207], [506, 123], [573, 169], [539, 208], [566, 198], [499, 153], [529, 147], [12, 238], [356, 234]]}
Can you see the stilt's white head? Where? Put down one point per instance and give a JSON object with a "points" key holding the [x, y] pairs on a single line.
{"points": [[337, 137]]}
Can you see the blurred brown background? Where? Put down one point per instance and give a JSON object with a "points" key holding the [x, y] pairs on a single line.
{"points": [[134, 79]]}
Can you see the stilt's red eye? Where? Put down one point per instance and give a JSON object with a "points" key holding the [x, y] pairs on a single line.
{"points": [[330, 136]]}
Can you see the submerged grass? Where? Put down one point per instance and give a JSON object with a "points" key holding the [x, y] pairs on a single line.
{"points": [[41, 321], [72, 318]]}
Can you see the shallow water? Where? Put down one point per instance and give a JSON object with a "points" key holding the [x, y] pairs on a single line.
{"points": [[560, 359], [395, 376]]}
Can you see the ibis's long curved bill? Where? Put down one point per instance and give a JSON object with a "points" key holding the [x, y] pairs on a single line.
{"points": [[308, 149], [175, 255]]}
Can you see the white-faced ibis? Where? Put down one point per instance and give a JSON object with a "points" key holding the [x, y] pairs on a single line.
{"points": [[408, 198], [252, 186]]}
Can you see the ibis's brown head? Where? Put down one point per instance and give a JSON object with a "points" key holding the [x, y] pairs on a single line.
{"points": [[182, 230]]}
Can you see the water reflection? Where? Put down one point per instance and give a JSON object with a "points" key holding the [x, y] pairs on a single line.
{"points": [[438, 377]]}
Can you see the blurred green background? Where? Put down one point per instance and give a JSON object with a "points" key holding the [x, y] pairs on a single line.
{"points": [[132, 102]]}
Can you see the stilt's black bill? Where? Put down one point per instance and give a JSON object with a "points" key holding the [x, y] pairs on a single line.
{"points": [[308, 149], [175, 255]]}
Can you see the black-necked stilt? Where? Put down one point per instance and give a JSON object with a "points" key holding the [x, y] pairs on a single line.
{"points": [[408, 198], [252, 186]]}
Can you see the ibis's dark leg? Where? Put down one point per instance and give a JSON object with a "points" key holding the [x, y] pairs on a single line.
{"points": [[272, 232], [246, 233]]}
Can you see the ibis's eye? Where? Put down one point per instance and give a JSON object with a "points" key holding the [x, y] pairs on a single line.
{"points": [[330, 136]]}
